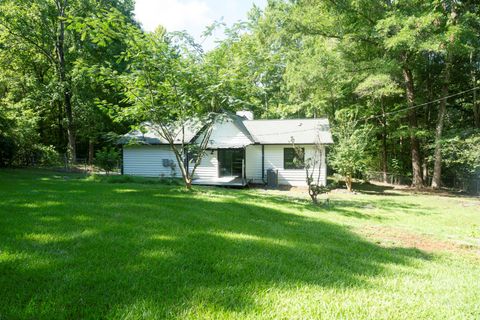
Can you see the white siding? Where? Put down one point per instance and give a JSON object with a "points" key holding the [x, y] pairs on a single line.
{"points": [[292, 177], [226, 135], [253, 163], [208, 167], [147, 161]]}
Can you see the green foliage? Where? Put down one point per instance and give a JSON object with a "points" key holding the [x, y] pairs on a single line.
{"points": [[461, 155], [47, 156], [349, 155], [107, 159], [313, 58], [292, 59], [31, 89]]}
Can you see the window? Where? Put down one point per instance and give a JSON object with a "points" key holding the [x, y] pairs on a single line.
{"points": [[293, 159]]}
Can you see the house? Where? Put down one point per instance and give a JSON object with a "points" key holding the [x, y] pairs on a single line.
{"points": [[240, 150]]}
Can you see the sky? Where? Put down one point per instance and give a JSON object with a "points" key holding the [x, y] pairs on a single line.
{"points": [[192, 15]]}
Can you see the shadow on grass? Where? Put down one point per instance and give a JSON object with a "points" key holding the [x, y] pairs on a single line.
{"points": [[374, 189], [355, 206], [110, 250]]}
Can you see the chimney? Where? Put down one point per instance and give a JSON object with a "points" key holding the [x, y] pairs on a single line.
{"points": [[245, 114]]}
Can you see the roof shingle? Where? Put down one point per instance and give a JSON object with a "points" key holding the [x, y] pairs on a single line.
{"points": [[285, 131]]}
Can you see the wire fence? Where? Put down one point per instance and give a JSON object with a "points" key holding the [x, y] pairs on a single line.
{"points": [[390, 178], [83, 165], [471, 185]]}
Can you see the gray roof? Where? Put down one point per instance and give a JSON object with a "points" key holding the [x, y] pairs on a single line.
{"points": [[151, 134], [302, 131]]}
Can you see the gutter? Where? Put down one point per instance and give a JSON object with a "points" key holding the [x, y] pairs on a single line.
{"points": [[263, 163]]}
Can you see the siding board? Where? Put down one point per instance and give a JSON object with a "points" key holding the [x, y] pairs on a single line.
{"points": [[148, 161], [292, 177], [253, 155], [208, 167]]}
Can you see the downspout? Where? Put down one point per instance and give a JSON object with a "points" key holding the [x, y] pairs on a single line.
{"points": [[123, 157], [244, 173], [245, 163], [263, 163]]}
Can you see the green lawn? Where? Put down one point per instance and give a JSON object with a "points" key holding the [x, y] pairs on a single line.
{"points": [[74, 248]]}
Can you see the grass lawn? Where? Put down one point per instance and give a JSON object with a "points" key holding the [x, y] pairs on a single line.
{"points": [[73, 247]]}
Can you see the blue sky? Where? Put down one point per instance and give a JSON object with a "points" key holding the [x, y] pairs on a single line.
{"points": [[192, 15]]}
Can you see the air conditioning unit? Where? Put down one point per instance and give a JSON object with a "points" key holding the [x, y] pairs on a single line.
{"points": [[272, 178]]}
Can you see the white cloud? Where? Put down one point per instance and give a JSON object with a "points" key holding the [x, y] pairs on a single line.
{"points": [[175, 15], [192, 15]]}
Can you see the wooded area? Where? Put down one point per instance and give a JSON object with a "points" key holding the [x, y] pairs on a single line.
{"points": [[397, 79]]}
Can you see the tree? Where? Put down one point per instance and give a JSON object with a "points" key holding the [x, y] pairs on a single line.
{"points": [[313, 168], [349, 156], [165, 82], [39, 31], [378, 88], [458, 38], [72, 71]]}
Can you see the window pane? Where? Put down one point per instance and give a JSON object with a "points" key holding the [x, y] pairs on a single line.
{"points": [[292, 160]]}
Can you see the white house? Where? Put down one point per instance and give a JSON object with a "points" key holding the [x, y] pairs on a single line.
{"points": [[240, 150]]}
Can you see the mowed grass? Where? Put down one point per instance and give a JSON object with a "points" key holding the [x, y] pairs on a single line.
{"points": [[78, 248]]}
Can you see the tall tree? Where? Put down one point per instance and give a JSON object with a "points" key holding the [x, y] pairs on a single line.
{"points": [[456, 41], [43, 28], [378, 88], [166, 83]]}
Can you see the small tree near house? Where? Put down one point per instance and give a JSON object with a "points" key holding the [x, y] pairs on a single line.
{"points": [[349, 156], [165, 82], [187, 154], [312, 166]]}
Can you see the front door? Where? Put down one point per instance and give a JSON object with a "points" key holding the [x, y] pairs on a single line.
{"points": [[230, 162]]}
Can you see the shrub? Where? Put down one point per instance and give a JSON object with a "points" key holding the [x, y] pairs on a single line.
{"points": [[47, 156], [7, 151], [107, 159]]}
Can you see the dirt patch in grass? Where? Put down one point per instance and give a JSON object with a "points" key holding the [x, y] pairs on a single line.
{"points": [[389, 237]]}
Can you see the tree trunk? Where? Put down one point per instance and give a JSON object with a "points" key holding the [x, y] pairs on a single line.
{"points": [[425, 169], [60, 43], [475, 105], [91, 145], [476, 109], [384, 146], [384, 157], [348, 183], [188, 183], [437, 167], [312, 194], [412, 122]]}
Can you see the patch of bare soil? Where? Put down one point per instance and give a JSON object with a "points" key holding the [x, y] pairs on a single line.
{"points": [[443, 192], [392, 237]]}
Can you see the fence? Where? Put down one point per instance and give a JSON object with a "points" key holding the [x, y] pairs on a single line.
{"points": [[391, 178], [471, 186], [82, 165]]}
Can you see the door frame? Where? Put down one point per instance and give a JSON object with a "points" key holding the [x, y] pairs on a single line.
{"points": [[244, 162]]}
